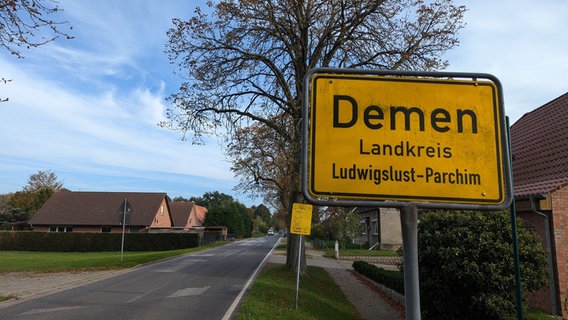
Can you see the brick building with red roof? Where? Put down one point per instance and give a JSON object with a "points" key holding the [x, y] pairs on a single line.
{"points": [[187, 214], [68, 211], [539, 143]]}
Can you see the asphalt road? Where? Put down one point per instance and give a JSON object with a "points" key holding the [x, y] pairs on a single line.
{"points": [[206, 285]]}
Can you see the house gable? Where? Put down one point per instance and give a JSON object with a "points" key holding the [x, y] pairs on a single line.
{"points": [[101, 209], [163, 217], [186, 214], [181, 213]]}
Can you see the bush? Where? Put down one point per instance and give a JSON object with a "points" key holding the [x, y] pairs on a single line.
{"points": [[391, 279], [318, 232], [262, 227], [92, 242], [467, 266]]}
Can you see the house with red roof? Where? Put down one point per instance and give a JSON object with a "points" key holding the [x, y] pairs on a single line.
{"points": [[539, 143], [187, 214], [68, 211]]}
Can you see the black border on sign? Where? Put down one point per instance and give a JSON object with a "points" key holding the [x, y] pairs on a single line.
{"points": [[391, 200], [313, 168]]}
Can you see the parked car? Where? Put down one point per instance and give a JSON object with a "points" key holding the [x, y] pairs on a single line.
{"points": [[270, 232]]}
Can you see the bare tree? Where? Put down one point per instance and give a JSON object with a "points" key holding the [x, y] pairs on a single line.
{"points": [[244, 64], [262, 162], [28, 24], [43, 179]]}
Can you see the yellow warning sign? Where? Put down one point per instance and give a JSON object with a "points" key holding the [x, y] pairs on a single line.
{"points": [[301, 219]]}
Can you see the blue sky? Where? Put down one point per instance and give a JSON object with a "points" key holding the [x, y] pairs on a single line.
{"points": [[88, 108]]}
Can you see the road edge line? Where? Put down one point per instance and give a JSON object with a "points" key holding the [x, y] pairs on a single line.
{"points": [[237, 300]]}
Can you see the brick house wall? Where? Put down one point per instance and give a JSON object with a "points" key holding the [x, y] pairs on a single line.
{"points": [[380, 225], [556, 209], [541, 299], [162, 219], [559, 199], [391, 230], [94, 229]]}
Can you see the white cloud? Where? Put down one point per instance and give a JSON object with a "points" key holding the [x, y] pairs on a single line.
{"points": [[151, 104], [523, 43], [114, 129], [88, 107]]}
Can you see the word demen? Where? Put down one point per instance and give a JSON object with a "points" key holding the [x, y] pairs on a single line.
{"points": [[346, 115]]}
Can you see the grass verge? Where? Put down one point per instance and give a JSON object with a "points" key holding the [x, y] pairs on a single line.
{"points": [[4, 298], [273, 296], [26, 261]]}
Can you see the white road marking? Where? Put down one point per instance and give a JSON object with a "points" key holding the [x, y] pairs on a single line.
{"points": [[189, 292], [179, 266], [46, 310], [239, 297]]}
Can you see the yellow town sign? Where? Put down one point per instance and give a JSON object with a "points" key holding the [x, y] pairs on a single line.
{"points": [[414, 139]]}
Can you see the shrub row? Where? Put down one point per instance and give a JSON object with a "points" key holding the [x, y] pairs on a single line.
{"points": [[92, 242], [391, 279], [330, 244]]}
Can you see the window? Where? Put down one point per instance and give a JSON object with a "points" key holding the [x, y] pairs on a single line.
{"points": [[60, 229], [375, 227], [105, 229], [362, 227]]}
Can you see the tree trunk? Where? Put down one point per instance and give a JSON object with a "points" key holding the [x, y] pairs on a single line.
{"points": [[292, 252]]}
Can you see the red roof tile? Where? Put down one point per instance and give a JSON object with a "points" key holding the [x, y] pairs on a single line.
{"points": [[181, 211], [98, 208], [201, 213], [539, 143]]}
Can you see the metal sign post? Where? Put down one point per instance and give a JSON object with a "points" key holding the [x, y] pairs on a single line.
{"points": [[123, 218], [516, 263], [409, 223], [301, 224], [123, 228], [298, 272]]}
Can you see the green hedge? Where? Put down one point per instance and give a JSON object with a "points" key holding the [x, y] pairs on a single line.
{"points": [[92, 242], [330, 244], [391, 279]]}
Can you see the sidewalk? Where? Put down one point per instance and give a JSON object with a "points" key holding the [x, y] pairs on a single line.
{"points": [[370, 302]]}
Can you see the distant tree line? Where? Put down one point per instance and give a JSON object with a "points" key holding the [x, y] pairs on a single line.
{"points": [[223, 210], [21, 205]]}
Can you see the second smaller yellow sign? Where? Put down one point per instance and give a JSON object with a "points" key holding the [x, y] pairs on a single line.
{"points": [[301, 219]]}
